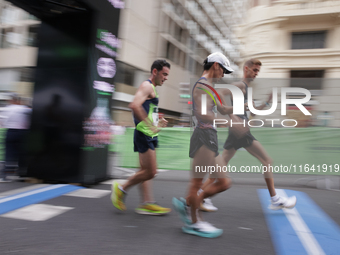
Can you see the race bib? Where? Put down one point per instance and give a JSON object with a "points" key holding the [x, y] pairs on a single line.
{"points": [[155, 116]]}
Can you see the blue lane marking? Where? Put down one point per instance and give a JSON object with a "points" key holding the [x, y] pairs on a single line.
{"points": [[325, 230], [17, 201], [284, 238], [286, 241]]}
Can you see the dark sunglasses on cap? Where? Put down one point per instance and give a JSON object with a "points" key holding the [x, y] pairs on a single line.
{"points": [[224, 70]]}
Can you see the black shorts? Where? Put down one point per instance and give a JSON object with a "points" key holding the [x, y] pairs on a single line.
{"points": [[207, 137], [143, 142], [236, 143]]}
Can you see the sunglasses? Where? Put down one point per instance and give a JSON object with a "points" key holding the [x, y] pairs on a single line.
{"points": [[224, 70]]}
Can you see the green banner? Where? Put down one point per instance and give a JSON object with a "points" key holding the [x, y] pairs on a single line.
{"points": [[2, 143], [312, 150]]}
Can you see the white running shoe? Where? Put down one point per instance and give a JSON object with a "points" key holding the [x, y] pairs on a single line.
{"points": [[208, 206], [203, 229], [283, 202]]}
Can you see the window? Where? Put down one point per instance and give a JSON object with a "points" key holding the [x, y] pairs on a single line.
{"points": [[8, 38], [27, 74], [191, 64], [170, 52], [308, 79], [130, 75], [182, 59], [308, 40], [32, 36], [124, 74]]}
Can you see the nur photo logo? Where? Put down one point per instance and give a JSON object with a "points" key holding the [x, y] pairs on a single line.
{"points": [[239, 104]]}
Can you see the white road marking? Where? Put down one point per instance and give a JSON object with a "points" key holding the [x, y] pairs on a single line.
{"points": [[21, 190], [120, 181], [107, 182], [88, 193], [37, 212], [303, 232], [245, 228], [50, 187]]}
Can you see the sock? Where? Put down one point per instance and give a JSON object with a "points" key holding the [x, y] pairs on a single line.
{"points": [[275, 198], [199, 192], [198, 215], [149, 202]]}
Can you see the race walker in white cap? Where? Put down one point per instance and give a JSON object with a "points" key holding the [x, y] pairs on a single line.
{"points": [[247, 141], [204, 148]]}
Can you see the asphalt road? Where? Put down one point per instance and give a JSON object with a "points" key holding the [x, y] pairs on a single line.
{"points": [[90, 224]]}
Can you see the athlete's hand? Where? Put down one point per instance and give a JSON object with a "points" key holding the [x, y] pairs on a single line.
{"points": [[154, 129], [162, 123], [246, 107]]}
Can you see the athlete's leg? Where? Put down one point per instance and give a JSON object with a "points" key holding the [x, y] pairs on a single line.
{"points": [[144, 176], [146, 191], [207, 182], [257, 150], [220, 181], [203, 158], [221, 161], [277, 202], [227, 155], [145, 187], [207, 205], [148, 170]]}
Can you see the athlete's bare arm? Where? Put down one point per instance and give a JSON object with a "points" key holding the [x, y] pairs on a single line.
{"points": [[144, 92], [226, 92], [197, 98], [263, 105], [225, 109], [240, 85]]}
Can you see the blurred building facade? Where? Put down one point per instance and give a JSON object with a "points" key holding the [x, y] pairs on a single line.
{"points": [[294, 40], [18, 51], [181, 31]]}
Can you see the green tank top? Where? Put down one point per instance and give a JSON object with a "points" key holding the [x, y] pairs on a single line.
{"points": [[151, 108]]}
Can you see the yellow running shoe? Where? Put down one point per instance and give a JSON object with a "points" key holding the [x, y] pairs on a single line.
{"points": [[117, 197], [152, 209]]}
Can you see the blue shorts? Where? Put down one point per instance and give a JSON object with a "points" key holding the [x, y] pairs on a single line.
{"points": [[143, 142]]}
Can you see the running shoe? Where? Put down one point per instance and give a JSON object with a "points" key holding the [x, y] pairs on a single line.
{"points": [[182, 208], [207, 206], [202, 229], [282, 202], [152, 209], [117, 197]]}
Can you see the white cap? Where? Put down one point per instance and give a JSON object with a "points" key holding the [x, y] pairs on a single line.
{"points": [[222, 60]]}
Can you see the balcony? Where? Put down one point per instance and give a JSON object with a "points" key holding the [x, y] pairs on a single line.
{"points": [[322, 9]]}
